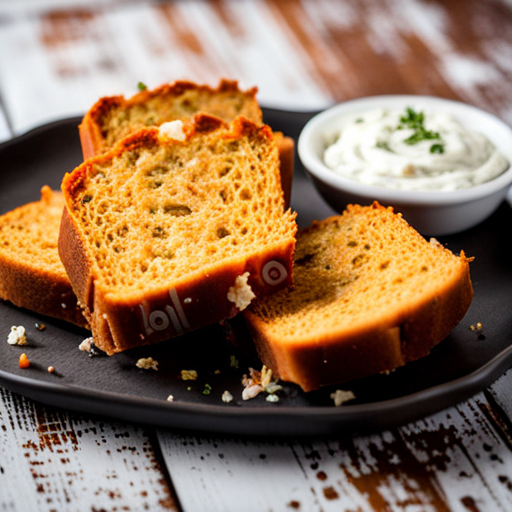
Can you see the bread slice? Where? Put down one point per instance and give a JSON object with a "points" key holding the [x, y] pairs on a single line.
{"points": [[31, 273], [177, 227], [112, 118], [369, 295]]}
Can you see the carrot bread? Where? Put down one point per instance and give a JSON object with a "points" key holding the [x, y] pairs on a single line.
{"points": [[369, 295], [177, 227], [31, 273], [112, 118]]}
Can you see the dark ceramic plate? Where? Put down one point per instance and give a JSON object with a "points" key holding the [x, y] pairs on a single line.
{"points": [[466, 362]]}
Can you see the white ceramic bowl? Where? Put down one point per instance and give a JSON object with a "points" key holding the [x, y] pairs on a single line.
{"points": [[430, 212]]}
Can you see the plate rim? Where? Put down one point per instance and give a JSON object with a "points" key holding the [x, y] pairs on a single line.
{"points": [[408, 407]]}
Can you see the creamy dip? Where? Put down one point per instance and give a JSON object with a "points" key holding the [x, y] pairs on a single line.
{"points": [[413, 150]]}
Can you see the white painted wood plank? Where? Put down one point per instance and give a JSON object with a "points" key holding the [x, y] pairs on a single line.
{"points": [[501, 390], [58, 66], [51, 460], [455, 460]]}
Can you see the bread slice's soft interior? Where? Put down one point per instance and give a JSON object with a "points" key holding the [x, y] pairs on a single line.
{"points": [[31, 273], [159, 212], [357, 277], [118, 117]]}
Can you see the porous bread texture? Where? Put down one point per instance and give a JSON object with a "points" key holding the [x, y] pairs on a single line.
{"points": [[31, 273], [112, 118], [156, 232], [370, 294]]}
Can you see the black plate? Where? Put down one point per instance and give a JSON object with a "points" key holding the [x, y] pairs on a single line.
{"points": [[466, 362]]}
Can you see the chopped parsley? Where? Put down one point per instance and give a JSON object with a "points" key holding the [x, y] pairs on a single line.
{"points": [[141, 86], [415, 121], [437, 148], [207, 389]]}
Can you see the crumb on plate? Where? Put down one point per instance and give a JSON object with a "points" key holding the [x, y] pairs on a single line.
{"points": [[24, 361], [17, 336], [188, 374], [341, 396], [147, 363]]}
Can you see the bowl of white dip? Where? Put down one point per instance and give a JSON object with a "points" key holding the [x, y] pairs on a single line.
{"points": [[445, 165]]}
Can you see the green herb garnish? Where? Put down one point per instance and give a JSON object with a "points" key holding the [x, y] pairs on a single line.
{"points": [[411, 119], [421, 134], [207, 389], [415, 121], [141, 86]]}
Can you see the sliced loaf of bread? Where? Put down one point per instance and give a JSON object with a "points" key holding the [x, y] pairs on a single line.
{"points": [[370, 294], [112, 118], [175, 228], [31, 273]]}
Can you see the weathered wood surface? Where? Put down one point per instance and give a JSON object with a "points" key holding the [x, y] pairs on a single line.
{"points": [[52, 460], [458, 459], [302, 55]]}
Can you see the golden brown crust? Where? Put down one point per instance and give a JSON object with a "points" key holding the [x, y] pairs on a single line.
{"points": [[92, 133], [402, 328], [31, 276], [93, 136], [286, 147], [122, 321]]}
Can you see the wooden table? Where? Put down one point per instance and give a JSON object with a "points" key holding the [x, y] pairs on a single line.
{"points": [[56, 61]]}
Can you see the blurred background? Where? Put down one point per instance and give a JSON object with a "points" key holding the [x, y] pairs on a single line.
{"points": [[58, 57]]}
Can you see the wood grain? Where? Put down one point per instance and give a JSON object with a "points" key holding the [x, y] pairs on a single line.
{"points": [[302, 54], [447, 48], [51, 460], [458, 459]]}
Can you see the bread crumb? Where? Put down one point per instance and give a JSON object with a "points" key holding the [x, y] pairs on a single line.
{"points": [[172, 130], [85, 346], [17, 336], [188, 374], [259, 382], [341, 396], [147, 363], [241, 292], [51, 369], [170, 398], [251, 391], [88, 346], [227, 397], [477, 329]]}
